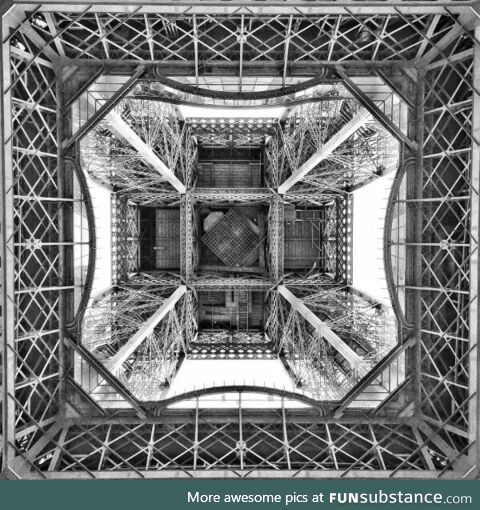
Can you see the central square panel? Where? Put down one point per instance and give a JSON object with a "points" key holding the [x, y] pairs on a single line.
{"points": [[231, 236]]}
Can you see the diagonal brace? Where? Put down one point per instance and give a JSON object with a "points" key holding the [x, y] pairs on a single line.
{"points": [[359, 120], [369, 105], [356, 362], [106, 108], [121, 129], [148, 326]]}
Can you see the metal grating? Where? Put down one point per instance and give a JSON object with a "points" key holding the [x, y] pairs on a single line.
{"points": [[231, 239]]}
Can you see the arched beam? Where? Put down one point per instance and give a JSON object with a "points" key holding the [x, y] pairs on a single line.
{"points": [[245, 96], [238, 388], [281, 102]]}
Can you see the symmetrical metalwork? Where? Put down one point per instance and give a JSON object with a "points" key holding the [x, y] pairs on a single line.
{"points": [[231, 132], [427, 422]]}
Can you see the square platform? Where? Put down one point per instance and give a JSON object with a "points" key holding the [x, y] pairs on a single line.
{"points": [[231, 238]]}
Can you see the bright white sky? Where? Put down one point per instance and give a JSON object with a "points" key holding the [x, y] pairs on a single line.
{"points": [[369, 205], [101, 200], [231, 113], [368, 275], [259, 372]]}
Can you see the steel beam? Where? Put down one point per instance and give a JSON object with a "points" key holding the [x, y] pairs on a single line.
{"points": [[104, 374], [414, 227], [369, 105], [391, 357], [205, 195], [357, 363], [466, 21], [436, 439], [7, 299], [234, 7], [212, 283], [119, 127], [238, 388], [105, 108], [260, 474], [136, 340], [21, 462], [474, 326], [359, 120]]}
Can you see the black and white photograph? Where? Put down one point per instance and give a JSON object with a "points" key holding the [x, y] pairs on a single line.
{"points": [[240, 240]]}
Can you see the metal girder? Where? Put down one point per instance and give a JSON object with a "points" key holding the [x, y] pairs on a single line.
{"points": [[357, 364], [394, 354], [261, 474], [219, 7], [105, 108], [326, 150], [7, 299], [120, 128], [370, 106], [443, 299], [435, 438], [97, 43], [295, 448], [280, 93], [125, 237], [20, 462], [107, 376], [135, 341], [474, 326], [205, 195], [41, 44], [238, 388], [217, 282], [467, 20]]}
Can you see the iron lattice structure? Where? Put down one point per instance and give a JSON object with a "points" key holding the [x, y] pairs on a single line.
{"points": [[428, 55]]}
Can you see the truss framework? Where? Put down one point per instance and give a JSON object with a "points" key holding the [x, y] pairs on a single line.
{"points": [[438, 52]]}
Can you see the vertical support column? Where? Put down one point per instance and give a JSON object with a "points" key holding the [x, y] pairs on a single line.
{"points": [[275, 232], [187, 256], [125, 237], [62, 259], [285, 436], [7, 302], [190, 319], [241, 444], [474, 326], [348, 228], [195, 441], [343, 234], [415, 190], [117, 256], [183, 236]]}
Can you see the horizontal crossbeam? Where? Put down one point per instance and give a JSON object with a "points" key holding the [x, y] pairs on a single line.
{"points": [[220, 7]]}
